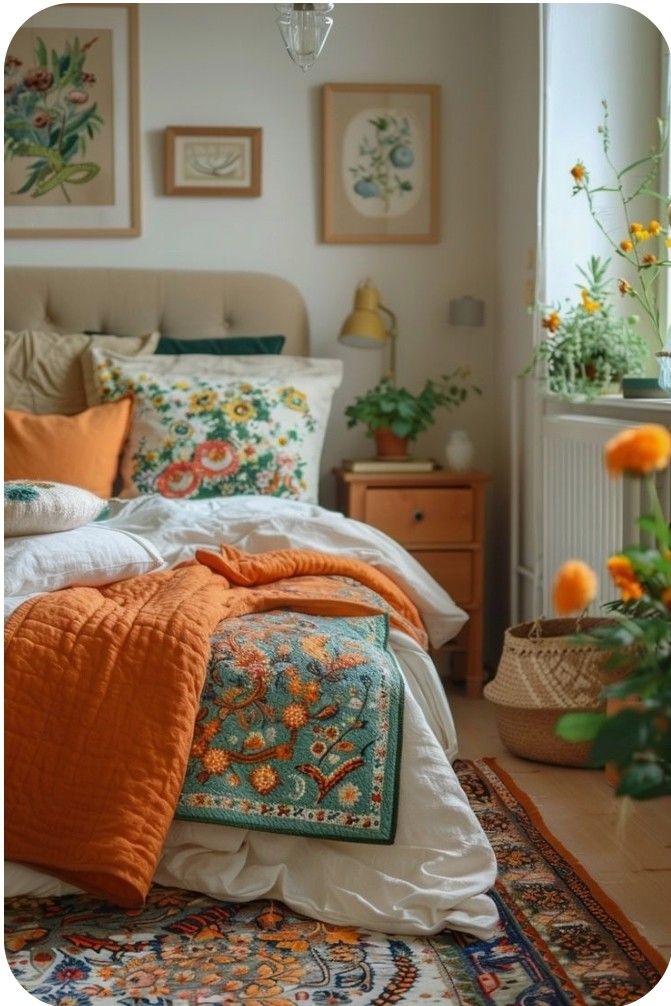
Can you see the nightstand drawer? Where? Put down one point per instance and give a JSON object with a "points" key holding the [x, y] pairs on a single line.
{"points": [[452, 570], [419, 516]]}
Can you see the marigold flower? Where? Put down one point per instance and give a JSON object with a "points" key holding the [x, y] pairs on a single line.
{"points": [[655, 227], [552, 322], [666, 597], [575, 586], [579, 172], [623, 286], [588, 304], [639, 450], [649, 259], [626, 246], [624, 578]]}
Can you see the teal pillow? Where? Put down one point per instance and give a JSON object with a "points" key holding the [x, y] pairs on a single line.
{"points": [[242, 345]]}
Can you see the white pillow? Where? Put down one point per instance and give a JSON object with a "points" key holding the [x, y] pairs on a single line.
{"points": [[87, 556], [42, 507], [208, 426]]}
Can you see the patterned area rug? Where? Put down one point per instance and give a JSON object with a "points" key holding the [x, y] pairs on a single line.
{"points": [[561, 941]]}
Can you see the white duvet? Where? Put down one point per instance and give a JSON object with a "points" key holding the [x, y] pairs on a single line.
{"points": [[438, 870]]}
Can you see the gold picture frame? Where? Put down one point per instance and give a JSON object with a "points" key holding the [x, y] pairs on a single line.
{"points": [[381, 163], [72, 142], [213, 161]]}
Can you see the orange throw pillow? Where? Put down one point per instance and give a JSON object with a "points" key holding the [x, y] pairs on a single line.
{"points": [[81, 450]]}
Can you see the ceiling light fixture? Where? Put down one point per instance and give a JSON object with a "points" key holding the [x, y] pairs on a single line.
{"points": [[304, 28]]}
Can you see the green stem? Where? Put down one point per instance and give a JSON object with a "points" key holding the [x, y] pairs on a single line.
{"points": [[663, 531]]}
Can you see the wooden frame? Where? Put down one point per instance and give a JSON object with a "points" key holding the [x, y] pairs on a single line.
{"points": [[117, 214], [381, 163], [241, 146]]}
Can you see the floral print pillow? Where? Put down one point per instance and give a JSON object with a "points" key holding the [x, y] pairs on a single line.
{"points": [[198, 436]]}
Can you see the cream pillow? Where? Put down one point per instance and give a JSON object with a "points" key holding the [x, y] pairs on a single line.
{"points": [[42, 507], [207, 426], [43, 373], [86, 556]]}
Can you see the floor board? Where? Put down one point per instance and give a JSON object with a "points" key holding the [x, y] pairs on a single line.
{"points": [[625, 845]]}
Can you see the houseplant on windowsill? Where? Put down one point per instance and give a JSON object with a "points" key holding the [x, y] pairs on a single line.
{"points": [[636, 737], [643, 247], [394, 416], [586, 348]]}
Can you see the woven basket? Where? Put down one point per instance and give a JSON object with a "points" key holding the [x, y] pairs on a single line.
{"points": [[541, 677]]}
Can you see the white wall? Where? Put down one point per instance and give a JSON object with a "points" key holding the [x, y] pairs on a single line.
{"points": [[225, 64]]}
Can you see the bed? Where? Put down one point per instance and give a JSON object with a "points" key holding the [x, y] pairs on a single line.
{"points": [[439, 866]]}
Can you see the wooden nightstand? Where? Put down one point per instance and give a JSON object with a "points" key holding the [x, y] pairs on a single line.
{"points": [[439, 517]]}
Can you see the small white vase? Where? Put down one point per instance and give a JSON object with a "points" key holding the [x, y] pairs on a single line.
{"points": [[459, 451]]}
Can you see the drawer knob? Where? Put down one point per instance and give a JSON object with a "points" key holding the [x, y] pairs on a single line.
{"points": [[418, 516]]}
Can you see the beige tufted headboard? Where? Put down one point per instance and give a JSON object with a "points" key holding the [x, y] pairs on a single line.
{"points": [[179, 303]]}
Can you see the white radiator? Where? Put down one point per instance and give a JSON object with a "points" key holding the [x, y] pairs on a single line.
{"points": [[586, 514]]}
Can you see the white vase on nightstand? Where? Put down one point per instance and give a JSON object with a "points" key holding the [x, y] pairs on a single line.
{"points": [[459, 451]]}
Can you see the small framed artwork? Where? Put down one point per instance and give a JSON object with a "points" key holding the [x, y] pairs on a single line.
{"points": [[213, 161], [381, 163], [72, 124]]}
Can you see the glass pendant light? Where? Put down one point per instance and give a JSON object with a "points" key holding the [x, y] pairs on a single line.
{"points": [[304, 28]]}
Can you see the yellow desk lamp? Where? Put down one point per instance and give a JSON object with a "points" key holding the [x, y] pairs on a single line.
{"points": [[365, 328]]}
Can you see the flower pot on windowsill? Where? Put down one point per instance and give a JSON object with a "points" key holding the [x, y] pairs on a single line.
{"points": [[388, 445]]}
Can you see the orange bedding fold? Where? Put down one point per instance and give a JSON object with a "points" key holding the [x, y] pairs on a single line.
{"points": [[101, 694]]}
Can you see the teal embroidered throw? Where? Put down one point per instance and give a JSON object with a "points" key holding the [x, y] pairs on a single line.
{"points": [[299, 729]]}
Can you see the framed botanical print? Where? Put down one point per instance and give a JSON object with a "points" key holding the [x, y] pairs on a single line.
{"points": [[213, 161], [381, 163], [72, 124]]}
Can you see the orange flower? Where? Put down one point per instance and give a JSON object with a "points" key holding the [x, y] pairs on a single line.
{"points": [[655, 227], [295, 716], [626, 246], [623, 286], [623, 576], [635, 227], [639, 450], [579, 171], [574, 588], [649, 259], [552, 322]]}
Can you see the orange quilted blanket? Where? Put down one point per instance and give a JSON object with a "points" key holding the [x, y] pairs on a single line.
{"points": [[102, 689]]}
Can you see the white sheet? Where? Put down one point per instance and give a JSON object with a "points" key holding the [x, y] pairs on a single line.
{"points": [[440, 866]]}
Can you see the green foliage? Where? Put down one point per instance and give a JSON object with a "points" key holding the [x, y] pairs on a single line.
{"points": [[638, 644], [45, 120], [387, 406], [586, 346]]}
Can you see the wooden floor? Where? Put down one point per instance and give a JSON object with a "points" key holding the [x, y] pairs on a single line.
{"points": [[624, 845]]}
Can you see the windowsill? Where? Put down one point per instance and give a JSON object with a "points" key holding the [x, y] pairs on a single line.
{"points": [[607, 404]]}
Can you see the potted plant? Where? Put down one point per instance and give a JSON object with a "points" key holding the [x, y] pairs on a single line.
{"points": [[394, 416], [587, 348], [634, 735], [643, 248]]}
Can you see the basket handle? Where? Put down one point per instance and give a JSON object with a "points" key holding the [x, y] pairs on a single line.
{"points": [[536, 630]]}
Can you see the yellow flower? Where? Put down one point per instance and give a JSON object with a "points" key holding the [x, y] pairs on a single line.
{"points": [[181, 385], [639, 450], [294, 399], [552, 322], [168, 443], [588, 304], [283, 441], [575, 586], [203, 401], [158, 399], [623, 576], [655, 227], [239, 411], [633, 228], [579, 172], [667, 242], [642, 235], [151, 457], [626, 246], [246, 388]]}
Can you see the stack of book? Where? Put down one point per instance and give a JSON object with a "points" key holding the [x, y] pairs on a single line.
{"points": [[388, 465]]}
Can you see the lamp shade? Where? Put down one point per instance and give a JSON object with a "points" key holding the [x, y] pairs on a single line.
{"points": [[364, 327]]}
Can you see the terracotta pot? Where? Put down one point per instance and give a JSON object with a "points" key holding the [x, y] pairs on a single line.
{"points": [[388, 445]]}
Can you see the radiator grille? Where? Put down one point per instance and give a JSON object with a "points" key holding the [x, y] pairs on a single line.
{"points": [[587, 514]]}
